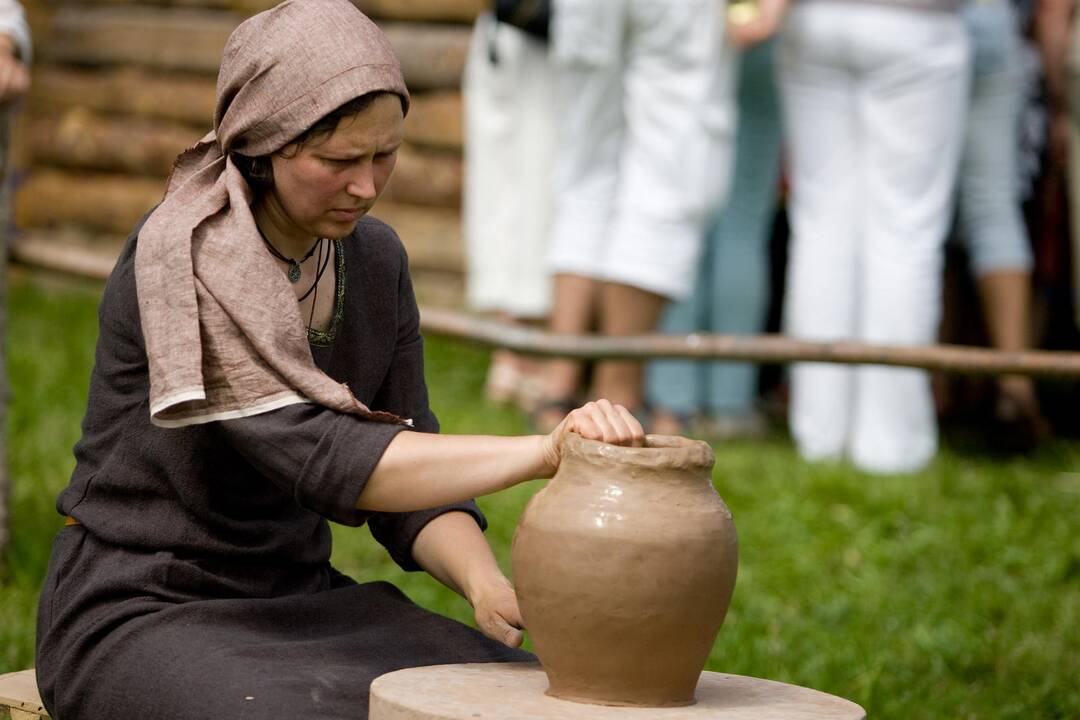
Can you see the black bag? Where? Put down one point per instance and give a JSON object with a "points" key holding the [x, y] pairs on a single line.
{"points": [[532, 16]]}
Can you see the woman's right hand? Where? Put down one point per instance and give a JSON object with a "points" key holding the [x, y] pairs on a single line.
{"points": [[599, 420]]}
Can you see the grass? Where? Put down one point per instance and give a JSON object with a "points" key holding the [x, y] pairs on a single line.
{"points": [[953, 593]]}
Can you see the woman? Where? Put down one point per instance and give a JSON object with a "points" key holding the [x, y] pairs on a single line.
{"points": [[989, 208], [874, 94], [506, 206], [731, 294], [645, 120], [258, 368]]}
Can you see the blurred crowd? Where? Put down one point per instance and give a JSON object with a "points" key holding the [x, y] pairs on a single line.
{"points": [[633, 166]]}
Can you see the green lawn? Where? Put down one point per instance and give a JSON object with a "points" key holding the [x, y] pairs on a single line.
{"points": [[954, 593]]}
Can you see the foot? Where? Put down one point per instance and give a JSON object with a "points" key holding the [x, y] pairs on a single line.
{"points": [[503, 378], [747, 425], [1019, 425], [666, 422]]}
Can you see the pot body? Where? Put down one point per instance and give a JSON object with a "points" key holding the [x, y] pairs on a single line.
{"points": [[624, 567]]}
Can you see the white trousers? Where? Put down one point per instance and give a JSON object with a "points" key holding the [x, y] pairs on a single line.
{"points": [[874, 101], [509, 147], [645, 127]]}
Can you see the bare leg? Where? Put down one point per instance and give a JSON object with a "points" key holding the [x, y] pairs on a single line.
{"points": [[625, 310], [1006, 300], [504, 371], [572, 311]]}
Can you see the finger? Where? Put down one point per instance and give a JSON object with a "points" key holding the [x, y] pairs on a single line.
{"points": [[637, 432], [600, 411], [617, 420], [584, 422], [497, 628]]}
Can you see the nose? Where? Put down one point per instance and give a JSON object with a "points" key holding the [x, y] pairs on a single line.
{"points": [[362, 181]]}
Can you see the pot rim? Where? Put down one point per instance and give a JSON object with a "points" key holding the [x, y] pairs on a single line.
{"points": [[660, 451]]}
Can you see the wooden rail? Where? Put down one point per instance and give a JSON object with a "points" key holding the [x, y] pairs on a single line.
{"points": [[72, 259], [751, 348]]}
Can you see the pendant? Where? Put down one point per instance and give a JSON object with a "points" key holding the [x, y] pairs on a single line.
{"points": [[294, 273]]}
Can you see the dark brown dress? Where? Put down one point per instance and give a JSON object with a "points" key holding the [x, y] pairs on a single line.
{"points": [[198, 582]]}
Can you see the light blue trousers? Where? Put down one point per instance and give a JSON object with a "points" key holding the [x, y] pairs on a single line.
{"points": [[732, 290], [988, 195]]}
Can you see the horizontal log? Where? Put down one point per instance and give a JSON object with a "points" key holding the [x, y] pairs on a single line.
{"points": [[432, 236], [125, 91], [752, 348], [92, 256], [78, 138], [240, 6], [463, 11], [423, 10], [86, 140], [162, 38], [426, 178], [438, 289], [68, 251], [435, 120], [432, 56], [191, 40], [108, 203], [102, 202]]}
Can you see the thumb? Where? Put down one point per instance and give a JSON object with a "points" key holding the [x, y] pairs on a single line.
{"points": [[503, 631]]}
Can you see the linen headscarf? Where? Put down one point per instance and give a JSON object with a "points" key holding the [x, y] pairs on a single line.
{"points": [[223, 331]]}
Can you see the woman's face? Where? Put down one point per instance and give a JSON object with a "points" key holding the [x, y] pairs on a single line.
{"points": [[328, 185]]}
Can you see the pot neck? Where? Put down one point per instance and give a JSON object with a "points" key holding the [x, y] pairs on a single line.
{"points": [[661, 453]]}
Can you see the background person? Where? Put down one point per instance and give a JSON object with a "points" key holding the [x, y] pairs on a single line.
{"points": [[874, 98], [643, 101], [509, 149], [15, 51], [989, 204], [731, 294]]}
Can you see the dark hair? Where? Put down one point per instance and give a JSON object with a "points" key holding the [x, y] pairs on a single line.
{"points": [[259, 171]]}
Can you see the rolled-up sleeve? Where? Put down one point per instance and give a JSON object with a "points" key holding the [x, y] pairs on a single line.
{"points": [[323, 457]]}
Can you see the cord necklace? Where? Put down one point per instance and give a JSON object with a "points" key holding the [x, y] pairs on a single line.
{"points": [[294, 265]]}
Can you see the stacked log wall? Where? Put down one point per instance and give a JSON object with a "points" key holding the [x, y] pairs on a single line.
{"points": [[121, 87]]}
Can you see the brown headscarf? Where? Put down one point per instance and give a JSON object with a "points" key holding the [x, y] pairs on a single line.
{"points": [[224, 336]]}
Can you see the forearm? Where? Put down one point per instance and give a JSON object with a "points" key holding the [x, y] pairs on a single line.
{"points": [[422, 470], [453, 550]]}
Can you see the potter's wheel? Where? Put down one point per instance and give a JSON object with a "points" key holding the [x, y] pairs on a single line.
{"points": [[515, 691]]}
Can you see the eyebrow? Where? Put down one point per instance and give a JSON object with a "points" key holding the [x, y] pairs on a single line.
{"points": [[345, 155]]}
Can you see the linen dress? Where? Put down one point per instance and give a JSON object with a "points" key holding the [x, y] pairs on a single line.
{"points": [[197, 583]]}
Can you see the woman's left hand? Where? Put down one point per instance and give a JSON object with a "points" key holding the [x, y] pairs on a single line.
{"points": [[600, 420], [497, 615]]}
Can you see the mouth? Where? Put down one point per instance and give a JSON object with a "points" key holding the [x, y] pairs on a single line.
{"points": [[347, 213]]}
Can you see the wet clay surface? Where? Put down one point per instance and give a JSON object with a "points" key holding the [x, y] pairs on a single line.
{"points": [[624, 567], [515, 691]]}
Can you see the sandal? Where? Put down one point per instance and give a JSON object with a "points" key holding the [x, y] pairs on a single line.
{"points": [[1018, 426]]}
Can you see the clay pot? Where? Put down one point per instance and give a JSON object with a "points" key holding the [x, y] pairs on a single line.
{"points": [[624, 567]]}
